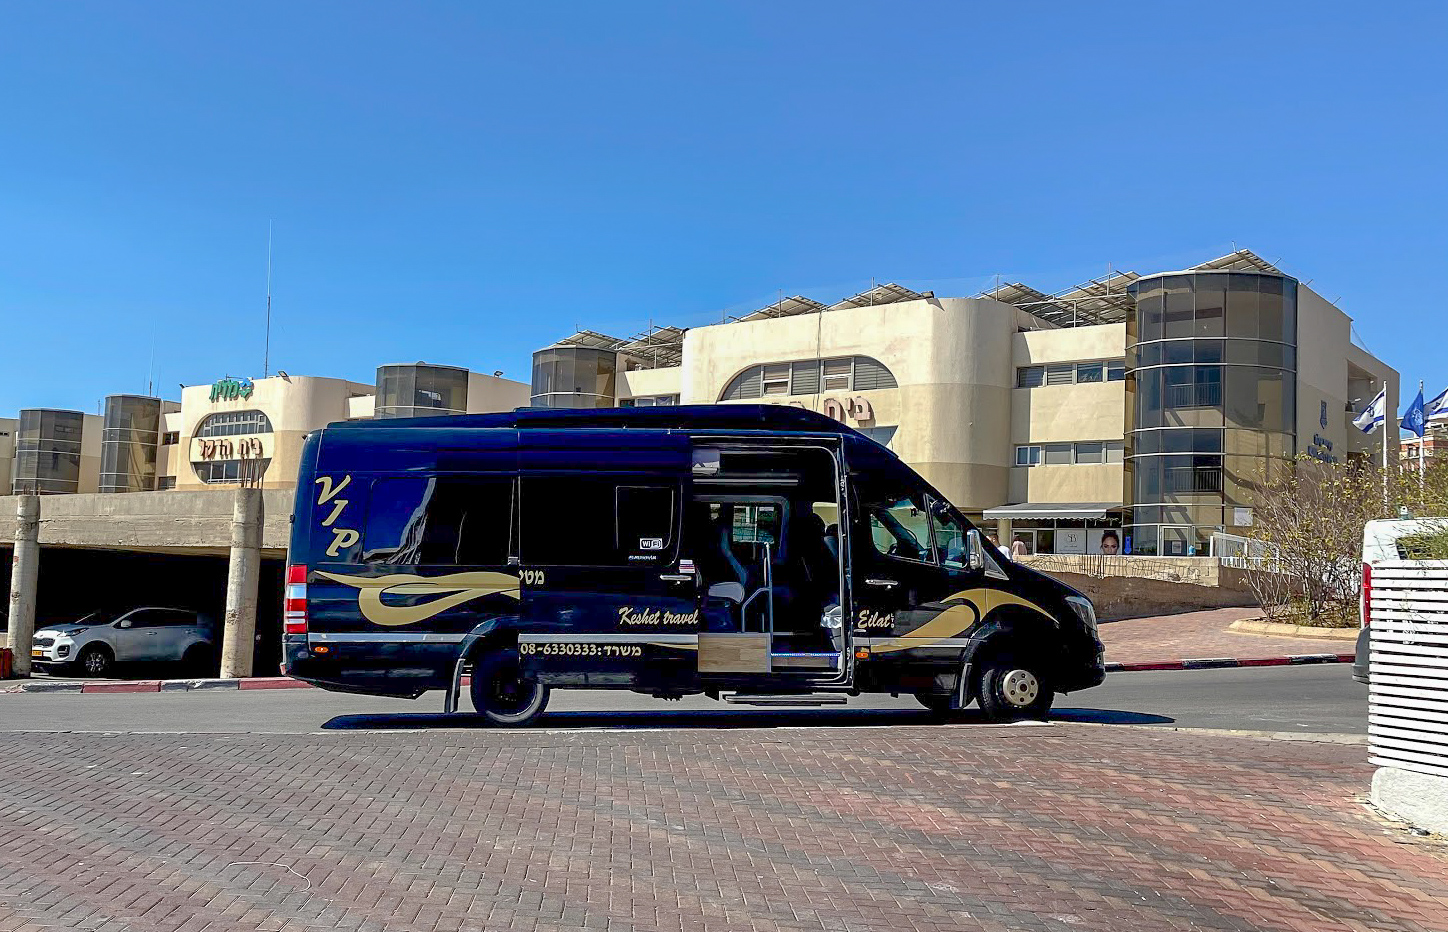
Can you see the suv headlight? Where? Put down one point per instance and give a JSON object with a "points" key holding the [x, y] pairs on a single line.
{"points": [[1084, 610]]}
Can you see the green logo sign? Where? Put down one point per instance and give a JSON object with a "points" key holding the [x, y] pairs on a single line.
{"points": [[229, 389]]}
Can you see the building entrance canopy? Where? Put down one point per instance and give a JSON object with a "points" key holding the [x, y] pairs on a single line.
{"points": [[1076, 510]]}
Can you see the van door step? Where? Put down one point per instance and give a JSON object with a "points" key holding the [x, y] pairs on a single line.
{"points": [[785, 700], [805, 661]]}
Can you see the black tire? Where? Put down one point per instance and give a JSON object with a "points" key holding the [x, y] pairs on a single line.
{"points": [[938, 705], [502, 694], [95, 660], [1013, 688], [198, 661]]}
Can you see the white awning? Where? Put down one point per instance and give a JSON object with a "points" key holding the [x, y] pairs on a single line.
{"points": [[1093, 510]]}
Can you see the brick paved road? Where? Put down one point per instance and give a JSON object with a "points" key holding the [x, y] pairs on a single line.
{"points": [[1036, 827], [1196, 635]]}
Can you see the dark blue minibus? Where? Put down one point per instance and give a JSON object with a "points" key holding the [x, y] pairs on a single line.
{"points": [[757, 554]]}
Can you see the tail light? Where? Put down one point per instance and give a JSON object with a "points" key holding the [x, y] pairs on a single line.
{"points": [[1367, 605], [294, 603]]}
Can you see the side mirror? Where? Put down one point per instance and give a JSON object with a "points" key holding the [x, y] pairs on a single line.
{"points": [[974, 551], [123, 623]]}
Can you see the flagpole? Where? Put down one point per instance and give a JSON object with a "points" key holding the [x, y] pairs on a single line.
{"points": [[1422, 442], [1386, 501]]}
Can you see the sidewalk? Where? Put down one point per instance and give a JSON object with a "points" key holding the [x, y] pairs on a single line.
{"points": [[1201, 635], [935, 828]]}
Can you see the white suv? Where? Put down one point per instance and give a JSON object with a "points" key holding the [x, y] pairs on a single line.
{"points": [[96, 643]]}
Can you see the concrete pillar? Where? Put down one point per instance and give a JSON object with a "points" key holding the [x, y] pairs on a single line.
{"points": [[24, 576], [1003, 533], [238, 639]]}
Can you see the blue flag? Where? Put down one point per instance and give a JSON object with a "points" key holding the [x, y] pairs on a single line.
{"points": [[1414, 420]]}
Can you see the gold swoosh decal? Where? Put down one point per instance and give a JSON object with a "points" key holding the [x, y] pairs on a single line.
{"points": [[956, 620], [452, 590]]}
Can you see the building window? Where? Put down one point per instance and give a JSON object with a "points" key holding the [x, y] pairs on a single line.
{"points": [[849, 373], [222, 471], [837, 375], [1060, 375], [1069, 373], [776, 379], [234, 423], [649, 401], [1056, 454], [170, 438], [165, 482], [1080, 453]]}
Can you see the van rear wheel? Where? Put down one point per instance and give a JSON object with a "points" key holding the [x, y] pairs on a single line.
{"points": [[502, 693]]}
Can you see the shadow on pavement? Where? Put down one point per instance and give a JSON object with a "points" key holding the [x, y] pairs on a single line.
{"points": [[1110, 717], [723, 718]]}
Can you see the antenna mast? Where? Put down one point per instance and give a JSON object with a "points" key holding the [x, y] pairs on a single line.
{"points": [[266, 353]]}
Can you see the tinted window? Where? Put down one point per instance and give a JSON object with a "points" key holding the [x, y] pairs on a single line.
{"points": [[645, 523], [440, 520], [587, 521]]}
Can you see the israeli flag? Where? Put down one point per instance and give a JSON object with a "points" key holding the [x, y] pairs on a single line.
{"points": [[1414, 421], [1437, 409], [1373, 416]]}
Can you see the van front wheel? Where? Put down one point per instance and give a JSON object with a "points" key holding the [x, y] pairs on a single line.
{"points": [[502, 693], [1011, 689]]}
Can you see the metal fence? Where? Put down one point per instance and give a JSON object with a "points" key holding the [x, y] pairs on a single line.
{"points": [[1408, 672]]}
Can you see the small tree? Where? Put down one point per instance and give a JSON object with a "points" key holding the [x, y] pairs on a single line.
{"points": [[1309, 521]]}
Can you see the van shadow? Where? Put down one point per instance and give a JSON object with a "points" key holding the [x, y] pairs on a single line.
{"points": [[720, 719]]}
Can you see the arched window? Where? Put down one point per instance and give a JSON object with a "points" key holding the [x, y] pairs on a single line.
{"points": [[840, 374], [234, 423]]}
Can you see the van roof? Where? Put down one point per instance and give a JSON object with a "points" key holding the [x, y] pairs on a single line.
{"points": [[668, 417]]}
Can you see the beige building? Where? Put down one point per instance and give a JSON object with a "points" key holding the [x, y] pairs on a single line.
{"points": [[1137, 413], [232, 431]]}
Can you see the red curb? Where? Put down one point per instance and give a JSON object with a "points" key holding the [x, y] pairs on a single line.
{"points": [[272, 682], [1219, 663], [139, 686]]}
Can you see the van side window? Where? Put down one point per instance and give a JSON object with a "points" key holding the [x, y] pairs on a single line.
{"points": [[645, 523], [899, 526], [440, 521], [949, 535]]}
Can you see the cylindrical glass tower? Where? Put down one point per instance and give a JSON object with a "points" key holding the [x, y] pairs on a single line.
{"points": [[574, 377], [1214, 367], [47, 451], [128, 443], [421, 390]]}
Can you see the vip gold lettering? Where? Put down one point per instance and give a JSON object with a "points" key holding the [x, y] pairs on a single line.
{"points": [[342, 539], [655, 616]]}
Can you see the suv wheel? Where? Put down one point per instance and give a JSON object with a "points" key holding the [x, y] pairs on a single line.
{"points": [[95, 660], [1012, 688], [502, 693]]}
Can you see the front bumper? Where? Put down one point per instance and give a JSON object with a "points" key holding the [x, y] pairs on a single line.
{"points": [[56, 653]]}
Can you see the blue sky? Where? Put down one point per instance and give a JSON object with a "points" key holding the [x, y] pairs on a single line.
{"points": [[465, 182]]}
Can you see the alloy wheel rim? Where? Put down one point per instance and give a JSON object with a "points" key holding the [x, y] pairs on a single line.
{"points": [[1020, 688], [94, 662]]}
